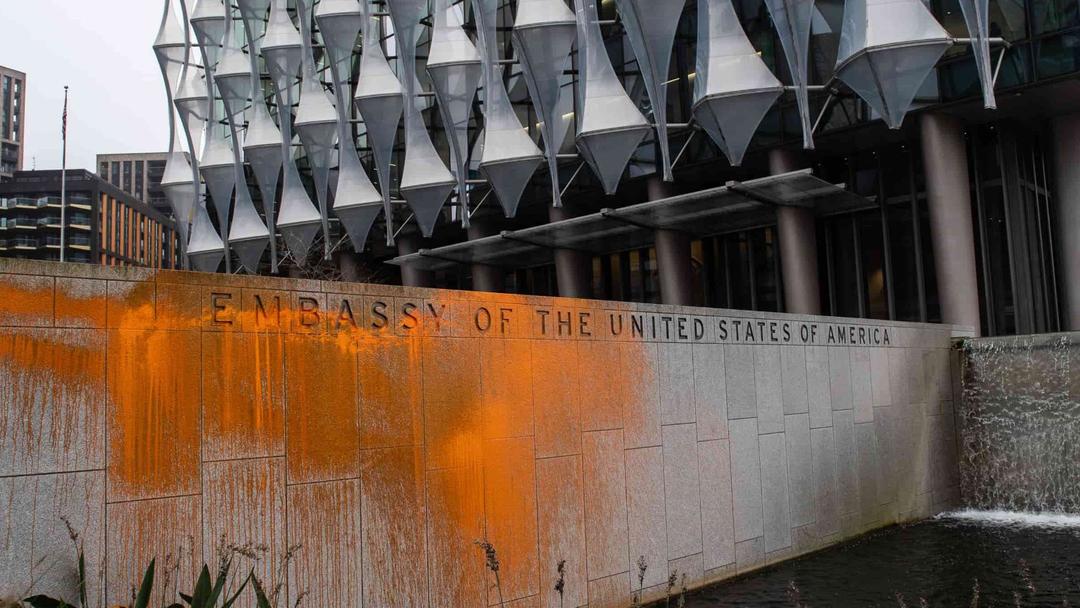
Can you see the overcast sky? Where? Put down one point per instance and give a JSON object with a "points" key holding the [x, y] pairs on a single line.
{"points": [[102, 50]]}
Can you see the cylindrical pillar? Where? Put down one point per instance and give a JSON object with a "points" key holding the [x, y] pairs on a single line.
{"points": [[1066, 131], [951, 232], [797, 232], [484, 276], [349, 265], [411, 276], [674, 267], [673, 260], [571, 267]]}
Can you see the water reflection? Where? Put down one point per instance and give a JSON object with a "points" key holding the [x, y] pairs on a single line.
{"points": [[1006, 559]]}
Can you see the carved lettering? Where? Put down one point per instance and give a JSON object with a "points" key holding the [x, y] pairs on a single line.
{"points": [[309, 311], [379, 318], [504, 320], [345, 315], [616, 330], [584, 318], [410, 320], [564, 323], [220, 306], [261, 314], [436, 314], [543, 316], [482, 318]]}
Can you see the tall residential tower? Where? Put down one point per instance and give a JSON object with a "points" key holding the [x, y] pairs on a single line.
{"points": [[12, 120]]}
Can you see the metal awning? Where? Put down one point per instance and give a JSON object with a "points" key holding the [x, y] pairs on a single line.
{"points": [[735, 206]]}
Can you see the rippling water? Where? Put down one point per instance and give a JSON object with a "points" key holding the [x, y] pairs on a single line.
{"points": [[1012, 559]]}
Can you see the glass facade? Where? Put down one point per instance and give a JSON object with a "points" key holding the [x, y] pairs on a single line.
{"points": [[5, 112]]}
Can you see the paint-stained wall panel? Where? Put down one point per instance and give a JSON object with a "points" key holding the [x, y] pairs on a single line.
{"points": [[353, 442]]}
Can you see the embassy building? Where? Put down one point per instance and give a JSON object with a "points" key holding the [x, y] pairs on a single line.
{"points": [[963, 214], [880, 160]]}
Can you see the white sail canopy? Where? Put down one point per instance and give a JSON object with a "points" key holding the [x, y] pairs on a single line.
{"points": [[425, 182], [455, 71], [208, 21], [977, 19], [509, 157], [262, 140], [651, 25], [887, 49], [232, 75], [192, 102], [282, 48], [356, 202], [205, 248], [308, 109], [544, 34], [610, 126], [380, 100], [734, 89], [170, 47], [253, 12], [316, 123], [792, 20], [248, 235]]}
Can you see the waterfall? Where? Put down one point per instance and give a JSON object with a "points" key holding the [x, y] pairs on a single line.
{"points": [[1020, 423]]}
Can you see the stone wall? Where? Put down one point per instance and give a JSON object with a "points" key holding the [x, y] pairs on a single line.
{"points": [[377, 432]]}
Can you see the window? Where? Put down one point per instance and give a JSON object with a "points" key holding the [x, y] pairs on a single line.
{"points": [[139, 180], [114, 177], [15, 96], [5, 116], [127, 176], [1013, 218]]}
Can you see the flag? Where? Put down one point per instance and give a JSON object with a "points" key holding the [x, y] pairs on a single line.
{"points": [[64, 128]]}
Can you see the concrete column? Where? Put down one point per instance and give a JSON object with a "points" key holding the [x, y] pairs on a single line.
{"points": [[673, 259], [797, 232], [411, 276], [349, 265], [485, 277], [571, 267], [1066, 131], [951, 232]]}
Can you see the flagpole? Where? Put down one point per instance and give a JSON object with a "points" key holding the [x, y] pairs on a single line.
{"points": [[63, 184]]}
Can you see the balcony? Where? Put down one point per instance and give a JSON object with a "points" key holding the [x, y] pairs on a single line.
{"points": [[79, 222], [73, 242], [22, 223], [23, 244], [25, 203], [79, 201], [49, 201]]}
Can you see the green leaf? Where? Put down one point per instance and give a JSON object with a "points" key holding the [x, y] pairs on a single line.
{"points": [[142, 600], [219, 585], [202, 590], [186, 598], [232, 600], [260, 595], [176, 606], [44, 601], [82, 579]]}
